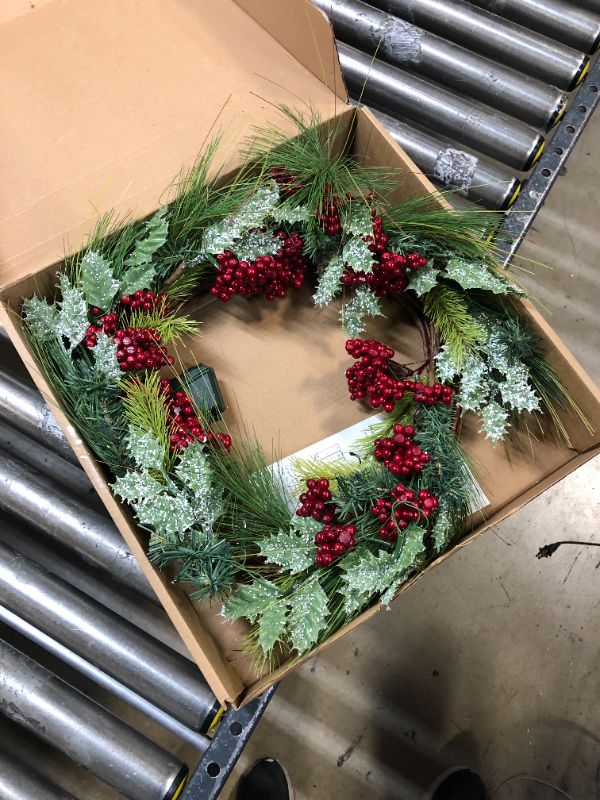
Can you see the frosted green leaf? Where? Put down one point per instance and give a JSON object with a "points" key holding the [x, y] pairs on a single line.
{"points": [[135, 486], [72, 315], [359, 220], [166, 513], [363, 304], [145, 449], [195, 473], [517, 392], [402, 565], [329, 282], [105, 354], [254, 244], [474, 384], [475, 275], [42, 318], [307, 615], [271, 626], [356, 253], [494, 421], [290, 214], [442, 529], [223, 235], [251, 601], [97, 281], [446, 366], [423, 280], [293, 550], [497, 351]]}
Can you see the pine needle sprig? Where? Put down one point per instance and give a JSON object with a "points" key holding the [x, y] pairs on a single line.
{"points": [[189, 280], [457, 328], [145, 408], [169, 327]]}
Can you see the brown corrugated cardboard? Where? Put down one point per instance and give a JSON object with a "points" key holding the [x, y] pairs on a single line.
{"points": [[281, 366]]}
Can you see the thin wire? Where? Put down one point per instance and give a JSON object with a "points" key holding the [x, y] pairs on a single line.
{"points": [[532, 780]]}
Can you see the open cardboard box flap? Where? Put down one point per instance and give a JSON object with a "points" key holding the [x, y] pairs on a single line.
{"points": [[165, 73], [108, 101]]}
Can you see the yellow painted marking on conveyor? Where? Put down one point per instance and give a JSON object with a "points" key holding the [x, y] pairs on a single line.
{"points": [[181, 788], [538, 155], [584, 72], [517, 192], [216, 720]]}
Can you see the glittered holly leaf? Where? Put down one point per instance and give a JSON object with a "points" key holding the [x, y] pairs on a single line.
{"points": [[42, 318], [105, 354], [442, 529], [423, 280], [72, 320], [250, 601], [196, 475], [494, 421], [135, 486], [307, 615], [497, 352], [401, 565], [223, 235], [145, 449], [329, 282], [97, 281], [140, 271], [474, 384], [358, 219], [271, 626], [290, 215], [292, 550], [476, 275], [517, 392], [446, 366], [363, 304], [356, 253], [166, 514], [256, 243]]}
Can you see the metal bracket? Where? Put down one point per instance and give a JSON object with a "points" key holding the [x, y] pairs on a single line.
{"points": [[520, 217], [231, 736]]}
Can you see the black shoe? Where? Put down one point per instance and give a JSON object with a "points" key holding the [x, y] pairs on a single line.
{"points": [[265, 780], [457, 784]]}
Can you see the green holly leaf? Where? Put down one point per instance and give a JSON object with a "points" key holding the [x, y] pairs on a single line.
{"points": [[271, 626], [105, 354], [145, 449], [290, 215], [251, 600], [307, 615], [42, 318], [141, 272], [134, 486], [167, 514], [293, 550], [364, 304], [223, 235], [423, 280], [476, 275], [356, 253], [330, 281], [97, 281], [72, 321], [494, 421], [358, 219]]}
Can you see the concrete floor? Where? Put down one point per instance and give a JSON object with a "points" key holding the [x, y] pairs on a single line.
{"points": [[491, 660]]}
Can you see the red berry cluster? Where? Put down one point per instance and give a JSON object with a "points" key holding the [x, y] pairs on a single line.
{"points": [[404, 507], [389, 276], [332, 542], [329, 218], [316, 502], [371, 379], [144, 300], [140, 348], [183, 422], [106, 323], [271, 275], [398, 452]]}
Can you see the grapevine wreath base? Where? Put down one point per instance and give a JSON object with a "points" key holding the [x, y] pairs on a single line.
{"points": [[321, 304]]}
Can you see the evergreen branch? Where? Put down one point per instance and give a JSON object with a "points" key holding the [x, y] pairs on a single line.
{"points": [[144, 406], [457, 328], [169, 327]]}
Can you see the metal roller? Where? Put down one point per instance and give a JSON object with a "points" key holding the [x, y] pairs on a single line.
{"points": [[22, 407], [575, 27], [466, 121], [19, 781], [48, 461], [95, 583], [494, 38], [591, 5], [88, 734], [106, 640], [37, 500], [405, 45], [465, 173]]}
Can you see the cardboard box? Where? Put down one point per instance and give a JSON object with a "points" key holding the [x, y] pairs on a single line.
{"points": [[109, 100]]}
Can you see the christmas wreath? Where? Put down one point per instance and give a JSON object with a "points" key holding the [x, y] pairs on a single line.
{"points": [[299, 558]]}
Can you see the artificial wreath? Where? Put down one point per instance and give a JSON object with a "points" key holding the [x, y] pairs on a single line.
{"points": [[297, 562]]}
